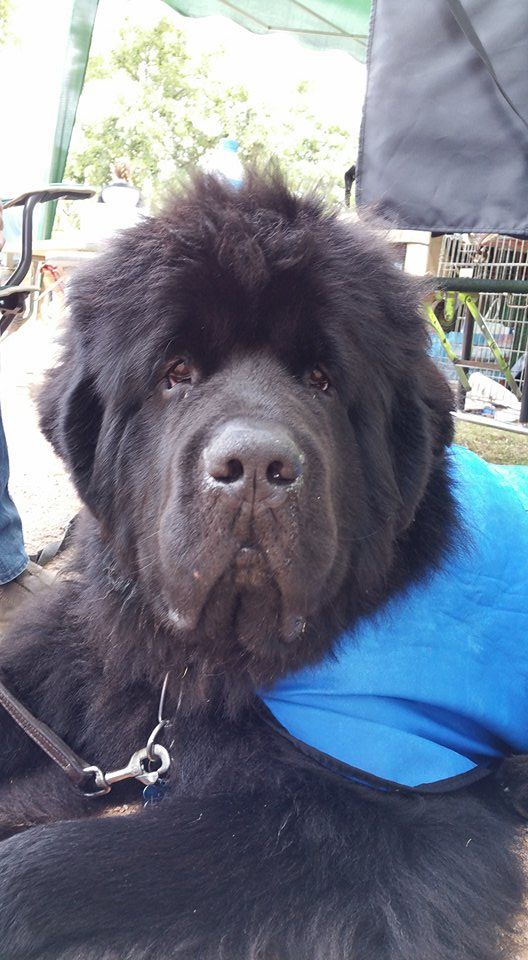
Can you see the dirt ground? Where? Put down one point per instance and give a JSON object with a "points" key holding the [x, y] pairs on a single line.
{"points": [[44, 496]]}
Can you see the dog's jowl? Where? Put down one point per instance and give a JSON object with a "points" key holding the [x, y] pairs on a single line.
{"points": [[280, 544]]}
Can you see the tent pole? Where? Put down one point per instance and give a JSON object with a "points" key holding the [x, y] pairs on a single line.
{"points": [[78, 50]]}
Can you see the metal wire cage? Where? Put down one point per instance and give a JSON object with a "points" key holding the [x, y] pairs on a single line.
{"points": [[490, 257]]}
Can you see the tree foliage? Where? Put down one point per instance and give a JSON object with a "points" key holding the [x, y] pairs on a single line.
{"points": [[6, 9], [163, 106]]}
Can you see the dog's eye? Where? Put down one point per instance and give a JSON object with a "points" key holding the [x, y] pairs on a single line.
{"points": [[320, 379], [178, 372]]}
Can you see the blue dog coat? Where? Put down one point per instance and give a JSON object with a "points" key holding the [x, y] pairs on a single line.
{"points": [[432, 691]]}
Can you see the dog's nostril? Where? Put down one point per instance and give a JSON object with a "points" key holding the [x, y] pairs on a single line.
{"points": [[233, 471], [222, 468], [280, 474]]}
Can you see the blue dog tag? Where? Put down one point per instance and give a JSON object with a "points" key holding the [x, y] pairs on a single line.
{"points": [[154, 792]]}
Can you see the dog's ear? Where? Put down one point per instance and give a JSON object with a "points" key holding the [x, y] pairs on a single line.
{"points": [[440, 402], [81, 412], [422, 429], [71, 414], [420, 418]]}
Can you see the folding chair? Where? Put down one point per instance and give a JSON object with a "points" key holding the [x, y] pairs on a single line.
{"points": [[15, 293]]}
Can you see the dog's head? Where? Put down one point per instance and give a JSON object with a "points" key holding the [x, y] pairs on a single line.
{"points": [[246, 405]]}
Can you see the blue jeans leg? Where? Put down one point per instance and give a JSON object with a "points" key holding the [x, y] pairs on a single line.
{"points": [[13, 557]]}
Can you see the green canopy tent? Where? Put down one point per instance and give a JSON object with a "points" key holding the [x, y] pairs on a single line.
{"points": [[321, 24], [324, 24]]}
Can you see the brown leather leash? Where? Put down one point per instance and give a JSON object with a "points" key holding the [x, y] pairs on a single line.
{"points": [[79, 772]]}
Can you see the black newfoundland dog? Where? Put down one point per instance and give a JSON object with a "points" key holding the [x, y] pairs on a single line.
{"points": [[247, 409]]}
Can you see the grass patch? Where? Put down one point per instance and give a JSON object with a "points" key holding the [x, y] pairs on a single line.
{"points": [[495, 446]]}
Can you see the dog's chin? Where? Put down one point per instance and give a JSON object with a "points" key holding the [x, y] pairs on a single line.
{"points": [[250, 569], [246, 608]]}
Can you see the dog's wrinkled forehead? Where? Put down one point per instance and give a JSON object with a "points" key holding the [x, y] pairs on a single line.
{"points": [[246, 284], [243, 275], [223, 270]]}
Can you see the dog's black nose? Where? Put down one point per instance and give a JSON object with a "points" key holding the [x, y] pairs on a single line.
{"points": [[253, 460]]}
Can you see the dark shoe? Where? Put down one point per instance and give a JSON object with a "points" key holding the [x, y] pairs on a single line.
{"points": [[13, 594], [56, 547]]}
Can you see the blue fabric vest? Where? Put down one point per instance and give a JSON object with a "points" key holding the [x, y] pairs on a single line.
{"points": [[432, 691]]}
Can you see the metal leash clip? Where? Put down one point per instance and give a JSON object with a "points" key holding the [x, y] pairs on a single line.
{"points": [[140, 763], [151, 742], [136, 768]]}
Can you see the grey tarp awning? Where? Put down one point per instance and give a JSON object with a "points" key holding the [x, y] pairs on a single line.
{"points": [[444, 144]]}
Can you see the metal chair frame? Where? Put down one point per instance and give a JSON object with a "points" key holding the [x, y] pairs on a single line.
{"points": [[13, 293]]}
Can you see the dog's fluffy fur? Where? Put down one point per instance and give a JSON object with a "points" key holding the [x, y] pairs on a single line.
{"points": [[263, 299]]}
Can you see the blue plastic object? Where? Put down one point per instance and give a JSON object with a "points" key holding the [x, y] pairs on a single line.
{"points": [[224, 162]]}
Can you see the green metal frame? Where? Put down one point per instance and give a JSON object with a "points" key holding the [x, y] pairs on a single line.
{"points": [[500, 360], [82, 22], [466, 290], [450, 353]]}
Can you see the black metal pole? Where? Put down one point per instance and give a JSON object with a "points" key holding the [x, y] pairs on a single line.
{"points": [[27, 241], [465, 352], [476, 285]]}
